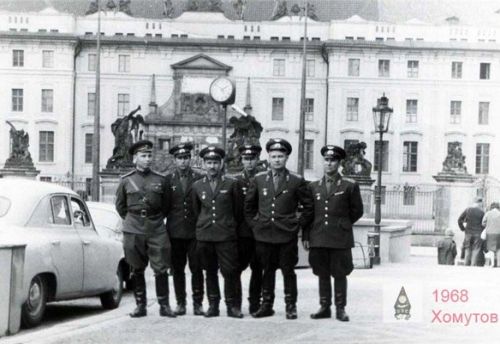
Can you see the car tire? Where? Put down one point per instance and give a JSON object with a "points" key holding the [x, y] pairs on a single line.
{"points": [[33, 309], [111, 299]]}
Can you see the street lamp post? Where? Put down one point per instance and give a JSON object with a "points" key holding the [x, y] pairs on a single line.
{"points": [[381, 117]]}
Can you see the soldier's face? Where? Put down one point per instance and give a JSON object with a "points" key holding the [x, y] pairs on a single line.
{"points": [[331, 165], [143, 160], [277, 160], [212, 166], [249, 162], [182, 162]]}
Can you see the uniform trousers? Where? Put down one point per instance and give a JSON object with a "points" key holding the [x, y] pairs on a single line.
{"points": [[184, 250], [247, 257]]}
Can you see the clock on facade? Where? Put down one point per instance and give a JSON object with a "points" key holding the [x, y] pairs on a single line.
{"points": [[223, 90]]}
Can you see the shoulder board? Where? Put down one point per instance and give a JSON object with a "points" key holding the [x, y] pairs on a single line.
{"points": [[263, 173], [349, 180], [158, 173], [295, 174], [231, 178], [128, 174]]}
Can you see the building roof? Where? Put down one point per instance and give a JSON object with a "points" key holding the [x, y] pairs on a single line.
{"points": [[461, 12]]}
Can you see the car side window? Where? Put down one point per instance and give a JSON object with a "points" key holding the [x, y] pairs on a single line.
{"points": [[80, 215], [60, 214]]}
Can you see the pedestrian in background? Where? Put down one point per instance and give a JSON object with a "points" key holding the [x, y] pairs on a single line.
{"points": [[214, 200], [143, 199], [491, 224], [181, 226], [470, 222], [447, 249], [271, 206], [337, 206], [246, 241]]}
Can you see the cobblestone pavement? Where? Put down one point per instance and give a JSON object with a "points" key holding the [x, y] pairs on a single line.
{"points": [[468, 300]]}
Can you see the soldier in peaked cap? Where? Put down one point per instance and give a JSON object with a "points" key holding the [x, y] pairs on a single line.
{"points": [[214, 203], [246, 243], [271, 206], [143, 199], [329, 238], [181, 227]]}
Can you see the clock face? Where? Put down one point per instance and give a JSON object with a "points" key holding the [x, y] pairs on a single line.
{"points": [[221, 90]]}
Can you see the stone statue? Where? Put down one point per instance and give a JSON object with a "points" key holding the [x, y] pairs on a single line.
{"points": [[124, 6], [92, 8], [20, 155], [247, 130], [111, 5], [280, 10], [355, 163], [239, 7], [204, 5], [295, 10], [455, 160], [126, 130], [168, 9]]}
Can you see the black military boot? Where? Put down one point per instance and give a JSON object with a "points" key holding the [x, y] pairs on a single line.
{"points": [[325, 299], [266, 308], [233, 311], [291, 296], [197, 288], [291, 311], [180, 292], [140, 296], [181, 308], [198, 309], [340, 288], [213, 309], [255, 287], [161, 282]]}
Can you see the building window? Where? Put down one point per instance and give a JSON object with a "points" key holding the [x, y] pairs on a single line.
{"points": [[348, 143], [90, 104], [17, 99], [353, 67], [384, 68], [18, 58], [88, 148], [309, 154], [456, 70], [92, 62], [385, 156], [412, 71], [124, 63], [278, 67], [123, 104], [48, 59], [409, 195], [310, 68], [484, 110], [47, 100], [46, 179], [277, 114], [309, 109], [411, 110], [410, 155], [484, 71], [352, 109], [482, 158], [46, 147], [455, 111], [164, 144]]}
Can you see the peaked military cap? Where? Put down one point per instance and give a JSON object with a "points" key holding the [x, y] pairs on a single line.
{"points": [[250, 150], [281, 145], [333, 151], [141, 146], [181, 149], [212, 152]]}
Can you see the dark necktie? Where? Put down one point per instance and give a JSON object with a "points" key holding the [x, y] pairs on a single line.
{"points": [[276, 181], [329, 183], [213, 184], [183, 182]]}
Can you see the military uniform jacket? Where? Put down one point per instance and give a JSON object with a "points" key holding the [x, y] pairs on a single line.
{"points": [[243, 183], [181, 223], [216, 213], [143, 200], [273, 215], [334, 213]]}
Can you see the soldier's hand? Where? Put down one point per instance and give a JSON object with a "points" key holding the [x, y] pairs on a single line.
{"points": [[305, 244]]}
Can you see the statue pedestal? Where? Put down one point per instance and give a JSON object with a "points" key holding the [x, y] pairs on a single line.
{"points": [[19, 172], [455, 193], [365, 186], [110, 178]]}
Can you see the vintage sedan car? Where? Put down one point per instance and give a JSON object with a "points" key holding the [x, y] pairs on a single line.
{"points": [[66, 258]]}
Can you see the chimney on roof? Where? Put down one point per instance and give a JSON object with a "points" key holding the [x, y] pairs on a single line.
{"points": [[248, 106]]}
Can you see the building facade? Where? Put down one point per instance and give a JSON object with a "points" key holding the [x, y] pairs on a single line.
{"points": [[440, 74]]}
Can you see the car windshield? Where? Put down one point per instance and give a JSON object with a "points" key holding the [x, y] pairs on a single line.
{"points": [[104, 218], [4, 206]]}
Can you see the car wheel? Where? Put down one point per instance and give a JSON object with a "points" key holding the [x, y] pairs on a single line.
{"points": [[33, 309], [111, 299]]}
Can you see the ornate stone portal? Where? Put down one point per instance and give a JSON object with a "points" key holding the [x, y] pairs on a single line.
{"points": [[19, 163]]}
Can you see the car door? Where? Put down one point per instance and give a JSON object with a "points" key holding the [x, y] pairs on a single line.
{"points": [[66, 250], [99, 264]]}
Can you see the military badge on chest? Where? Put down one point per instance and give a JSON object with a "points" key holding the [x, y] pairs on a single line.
{"points": [[244, 190], [174, 187], [264, 191], [318, 196], [203, 195]]}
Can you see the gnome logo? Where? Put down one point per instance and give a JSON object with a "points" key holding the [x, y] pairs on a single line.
{"points": [[402, 306]]}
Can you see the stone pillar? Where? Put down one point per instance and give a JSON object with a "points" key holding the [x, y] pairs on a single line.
{"points": [[365, 186], [13, 172], [455, 193], [110, 178]]}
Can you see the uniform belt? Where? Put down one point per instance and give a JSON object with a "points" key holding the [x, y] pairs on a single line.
{"points": [[144, 213]]}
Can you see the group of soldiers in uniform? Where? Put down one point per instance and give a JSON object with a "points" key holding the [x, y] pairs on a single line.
{"points": [[214, 221]]}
